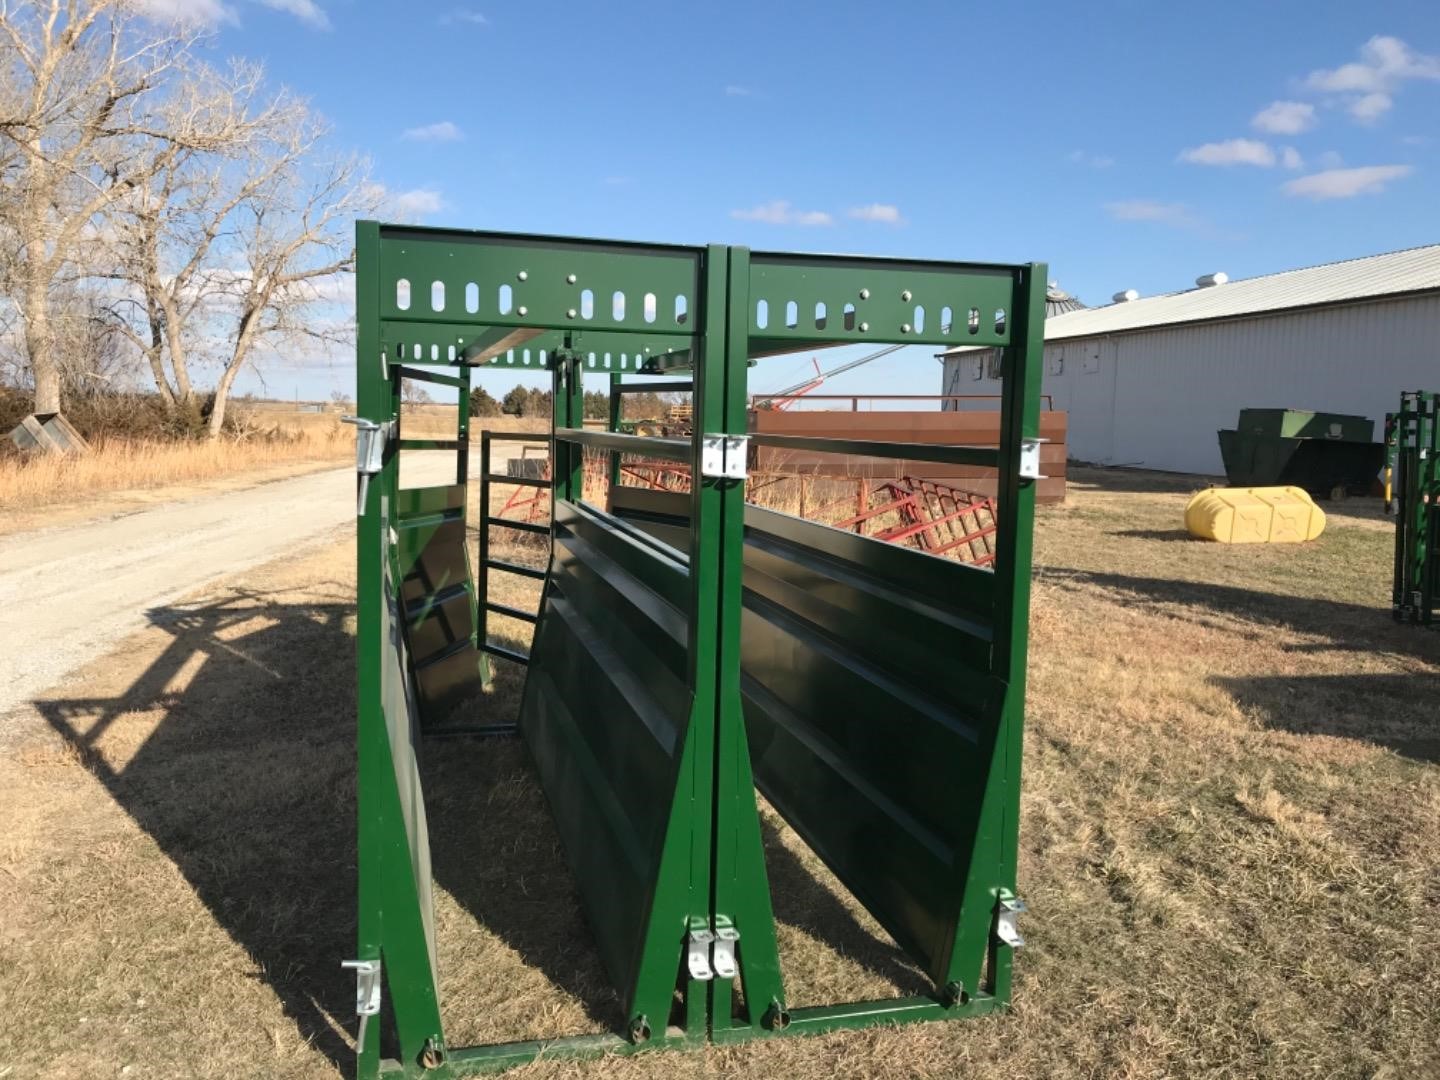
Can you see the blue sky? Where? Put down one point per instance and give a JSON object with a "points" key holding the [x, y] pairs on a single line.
{"points": [[1130, 145]]}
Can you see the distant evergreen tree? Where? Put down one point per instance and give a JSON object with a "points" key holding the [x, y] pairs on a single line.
{"points": [[482, 404]]}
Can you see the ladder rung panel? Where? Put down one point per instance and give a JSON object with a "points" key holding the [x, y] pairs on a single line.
{"points": [[518, 481], [511, 612], [506, 654], [523, 526], [516, 568]]}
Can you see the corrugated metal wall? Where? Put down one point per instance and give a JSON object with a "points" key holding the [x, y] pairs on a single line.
{"points": [[1156, 398]]}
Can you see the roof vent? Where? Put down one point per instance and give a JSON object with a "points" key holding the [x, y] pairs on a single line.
{"points": [[1126, 296], [1217, 278]]}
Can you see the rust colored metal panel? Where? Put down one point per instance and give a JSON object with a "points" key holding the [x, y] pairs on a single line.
{"points": [[964, 428]]}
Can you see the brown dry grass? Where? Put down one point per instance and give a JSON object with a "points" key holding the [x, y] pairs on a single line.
{"points": [[1231, 837], [138, 464]]}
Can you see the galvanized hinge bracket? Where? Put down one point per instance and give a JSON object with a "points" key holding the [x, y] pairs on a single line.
{"points": [[724, 456], [370, 440], [1010, 909], [367, 994], [727, 941], [1030, 459], [697, 954]]}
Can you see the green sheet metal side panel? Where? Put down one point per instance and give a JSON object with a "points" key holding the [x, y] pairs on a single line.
{"points": [[606, 720], [871, 717], [870, 711], [437, 595]]}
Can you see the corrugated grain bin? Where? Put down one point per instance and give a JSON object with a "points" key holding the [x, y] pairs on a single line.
{"points": [[1263, 515]]}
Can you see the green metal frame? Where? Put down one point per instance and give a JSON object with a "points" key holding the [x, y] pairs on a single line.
{"points": [[646, 753], [1412, 473]]}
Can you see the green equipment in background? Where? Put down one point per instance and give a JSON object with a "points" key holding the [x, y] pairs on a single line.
{"points": [[1330, 455], [875, 694], [1412, 494]]}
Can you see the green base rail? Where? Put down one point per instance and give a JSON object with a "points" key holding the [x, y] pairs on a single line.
{"points": [[691, 650]]}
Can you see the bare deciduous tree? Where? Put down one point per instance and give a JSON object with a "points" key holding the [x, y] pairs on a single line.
{"points": [[169, 232], [294, 243], [78, 95]]}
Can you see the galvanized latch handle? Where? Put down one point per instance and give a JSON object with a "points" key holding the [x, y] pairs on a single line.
{"points": [[367, 994], [370, 440]]}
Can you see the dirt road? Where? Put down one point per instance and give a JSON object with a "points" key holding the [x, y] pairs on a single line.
{"points": [[68, 594]]}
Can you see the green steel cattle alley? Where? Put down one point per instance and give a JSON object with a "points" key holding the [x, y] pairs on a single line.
{"points": [[690, 648]]}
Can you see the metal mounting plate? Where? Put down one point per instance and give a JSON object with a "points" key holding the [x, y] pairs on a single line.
{"points": [[1030, 459], [723, 457]]}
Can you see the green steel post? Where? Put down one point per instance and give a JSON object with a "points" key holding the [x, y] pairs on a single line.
{"points": [[391, 922], [1019, 420], [482, 564], [742, 891], [617, 407]]}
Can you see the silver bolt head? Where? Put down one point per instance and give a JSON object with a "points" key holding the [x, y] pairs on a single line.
{"points": [[570, 314], [570, 279], [522, 310], [864, 294], [864, 326], [522, 275], [905, 296], [904, 327]]}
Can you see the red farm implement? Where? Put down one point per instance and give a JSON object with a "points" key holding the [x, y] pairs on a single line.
{"points": [[935, 518]]}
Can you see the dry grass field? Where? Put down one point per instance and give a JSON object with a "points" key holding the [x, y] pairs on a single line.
{"points": [[1231, 838]]}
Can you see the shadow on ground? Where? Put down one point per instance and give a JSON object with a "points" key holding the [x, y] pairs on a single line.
{"points": [[246, 782], [1349, 627], [1387, 710]]}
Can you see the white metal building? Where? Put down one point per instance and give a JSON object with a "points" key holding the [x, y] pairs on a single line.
{"points": [[1148, 382]]}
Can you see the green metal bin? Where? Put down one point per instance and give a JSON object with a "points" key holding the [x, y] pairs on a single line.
{"points": [[1330, 455]]}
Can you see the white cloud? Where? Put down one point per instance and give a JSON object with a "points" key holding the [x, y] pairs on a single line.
{"points": [[1177, 215], [1369, 84], [1285, 117], [417, 203], [215, 12], [1384, 62], [881, 212], [1291, 159], [1330, 159], [444, 131], [1370, 107], [780, 212], [734, 90], [307, 11], [464, 17], [203, 12], [1416, 140], [1346, 183], [1231, 152], [1093, 161]]}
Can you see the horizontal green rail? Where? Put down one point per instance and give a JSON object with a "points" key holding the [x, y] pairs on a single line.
{"points": [[670, 449], [459, 382], [657, 386], [934, 452]]}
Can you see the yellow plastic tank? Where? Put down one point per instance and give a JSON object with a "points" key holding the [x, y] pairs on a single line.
{"points": [[1260, 515]]}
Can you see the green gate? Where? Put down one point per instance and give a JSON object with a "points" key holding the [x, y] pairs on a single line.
{"points": [[1412, 494], [691, 648]]}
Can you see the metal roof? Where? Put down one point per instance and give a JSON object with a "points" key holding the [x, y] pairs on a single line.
{"points": [[1058, 301], [1412, 270]]}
